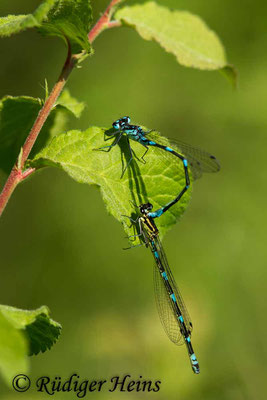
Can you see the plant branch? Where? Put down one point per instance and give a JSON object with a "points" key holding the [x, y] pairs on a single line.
{"points": [[104, 21], [18, 174], [47, 107]]}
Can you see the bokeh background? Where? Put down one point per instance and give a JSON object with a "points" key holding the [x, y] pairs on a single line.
{"points": [[59, 247]]}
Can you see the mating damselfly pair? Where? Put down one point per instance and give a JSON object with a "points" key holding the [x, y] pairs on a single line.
{"points": [[171, 307]]}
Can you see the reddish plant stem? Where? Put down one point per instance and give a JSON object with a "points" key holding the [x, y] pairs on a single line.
{"points": [[45, 111], [17, 174], [27, 172], [104, 21]]}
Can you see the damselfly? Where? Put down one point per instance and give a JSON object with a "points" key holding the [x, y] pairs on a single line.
{"points": [[198, 160], [172, 311]]}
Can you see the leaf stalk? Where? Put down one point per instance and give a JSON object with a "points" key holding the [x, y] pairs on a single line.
{"points": [[104, 21]]}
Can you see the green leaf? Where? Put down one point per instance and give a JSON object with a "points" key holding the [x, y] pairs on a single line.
{"points": [[16, 23], [70, 103], [70, 20], [158, 181], [24, 333], [17, 115], [13, 350], [40, 330], [179, 32]]}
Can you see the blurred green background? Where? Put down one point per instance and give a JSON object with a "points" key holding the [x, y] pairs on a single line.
{"points": [[60, 248]]}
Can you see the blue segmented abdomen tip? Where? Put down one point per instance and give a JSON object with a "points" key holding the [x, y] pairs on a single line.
{"points": [[185, 162], [194, 363]]}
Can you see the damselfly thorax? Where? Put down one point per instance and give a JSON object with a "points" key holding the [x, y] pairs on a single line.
{"points": [[149, 226]]}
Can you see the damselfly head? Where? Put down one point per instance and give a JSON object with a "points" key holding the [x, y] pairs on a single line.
{"points": [[121, 122], [145, 208]]}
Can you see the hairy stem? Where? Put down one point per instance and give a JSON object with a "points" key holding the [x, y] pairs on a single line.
{"points": [[18, 173]]}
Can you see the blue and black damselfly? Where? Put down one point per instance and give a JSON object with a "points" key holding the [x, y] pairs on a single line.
{"points": [[197, 160], [172, 311]]}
